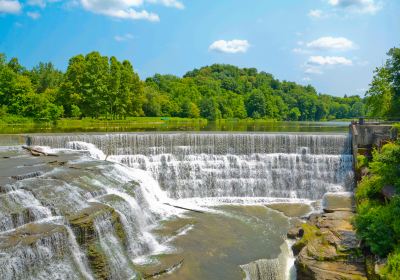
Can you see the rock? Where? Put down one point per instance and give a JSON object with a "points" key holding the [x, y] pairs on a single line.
{"points": [[263, 269], [27, 175], [338, 202], [296, 231], [292, 209], [83, 224], [329, 248], [388, 192]]}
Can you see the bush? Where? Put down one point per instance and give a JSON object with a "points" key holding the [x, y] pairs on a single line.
{"points": [[374, 226], [392, 269], [362, 161], [369, 188]]}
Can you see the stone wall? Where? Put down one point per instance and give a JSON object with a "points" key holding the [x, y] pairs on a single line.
{"points": [[367, 136]]}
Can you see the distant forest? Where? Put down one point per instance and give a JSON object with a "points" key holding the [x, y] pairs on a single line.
{"points": [[101, 87]]}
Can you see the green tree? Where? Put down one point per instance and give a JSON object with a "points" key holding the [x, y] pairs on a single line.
{"points": [[294, 114], [209, 109], [380, 94], [256, 104], [45, 76]]}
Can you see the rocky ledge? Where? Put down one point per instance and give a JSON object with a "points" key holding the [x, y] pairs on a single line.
{"points": [[326, 245]]}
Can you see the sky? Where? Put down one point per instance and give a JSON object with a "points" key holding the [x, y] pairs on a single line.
{"points": [[334, 45]]}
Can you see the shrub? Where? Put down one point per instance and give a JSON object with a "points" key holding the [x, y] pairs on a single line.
{"points": [[374, 226], [392, 269]]}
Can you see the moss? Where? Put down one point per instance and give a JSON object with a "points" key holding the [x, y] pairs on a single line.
{"points": [[119, 229], [97, 260], [83, 224], [310, 233]]}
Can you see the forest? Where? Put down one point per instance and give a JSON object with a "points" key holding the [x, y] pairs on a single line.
{"points": [[101, 87]]}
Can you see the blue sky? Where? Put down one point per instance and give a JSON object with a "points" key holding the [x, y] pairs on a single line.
{"points": [[332, 44]]}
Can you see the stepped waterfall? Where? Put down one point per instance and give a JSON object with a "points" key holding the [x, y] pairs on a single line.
{"points": [[90, 213]]}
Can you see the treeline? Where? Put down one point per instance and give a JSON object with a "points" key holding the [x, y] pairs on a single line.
{"points": [[101, 87]]}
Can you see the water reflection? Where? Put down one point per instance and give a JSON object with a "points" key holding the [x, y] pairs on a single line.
{"points": [[195, 125]]}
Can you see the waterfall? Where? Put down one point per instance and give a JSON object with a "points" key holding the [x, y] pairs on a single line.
{"points": [[93, 215], [223, 165]]}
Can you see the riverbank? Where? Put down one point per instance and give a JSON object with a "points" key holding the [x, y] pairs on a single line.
{"points": [[326, 244], [142, 124]]}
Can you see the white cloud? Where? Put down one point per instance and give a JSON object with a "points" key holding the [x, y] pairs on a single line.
{"points": [[41, 3], [306, 79], [315, 14], [121, 9], [10, 7], [168, 3], [359, 6], [122, 38], [301, 51], [313, 70], [328, 60], [317, 64], [332, 43], [33, 15], [233, 46]]}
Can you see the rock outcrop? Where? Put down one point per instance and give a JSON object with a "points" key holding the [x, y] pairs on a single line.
{"points": [[327, 247]]}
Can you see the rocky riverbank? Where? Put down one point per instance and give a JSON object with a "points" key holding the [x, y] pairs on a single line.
{"points": [[326, 244]]}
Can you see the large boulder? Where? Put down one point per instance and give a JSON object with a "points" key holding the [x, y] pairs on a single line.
{"points": [[329, 249]]}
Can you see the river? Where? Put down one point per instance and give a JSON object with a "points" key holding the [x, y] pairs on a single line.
{"points": [[110, 206]]}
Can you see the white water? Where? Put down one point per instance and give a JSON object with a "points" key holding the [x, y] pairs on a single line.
{"points": [[150, 172]]}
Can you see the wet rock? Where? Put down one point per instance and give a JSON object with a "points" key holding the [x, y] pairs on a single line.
{"points": [[36, 251], [292, 209], [263, 270], [296, 231], [27, 175], [329, 248], [83, 224], [338, 202]]}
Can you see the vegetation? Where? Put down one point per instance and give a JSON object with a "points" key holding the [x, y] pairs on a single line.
{"points": [[383, 97], [378, 201], [97, 86], [378, 217]]}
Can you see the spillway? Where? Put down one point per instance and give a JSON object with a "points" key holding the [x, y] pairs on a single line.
{"points": [[91, 211], [203, 165]]}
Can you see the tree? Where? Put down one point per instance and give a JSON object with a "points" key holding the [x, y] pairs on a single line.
{"points": [[71, 90], [209, 109], [380, 93], [294, 114], [383, 96], [95, 85], [45, 76], [256, 104]]}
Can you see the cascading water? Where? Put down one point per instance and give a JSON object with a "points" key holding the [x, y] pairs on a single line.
{"points": [[94, 213], [228, 165]]}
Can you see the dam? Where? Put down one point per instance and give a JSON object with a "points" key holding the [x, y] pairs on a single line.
{"points": [[111, 206]]}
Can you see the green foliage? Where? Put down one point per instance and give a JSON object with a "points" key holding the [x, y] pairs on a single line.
{"points": [[75, 111], [378, 218], [374, 226], [383, 97], [98, 86], [392, 269], [362, 161]]}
